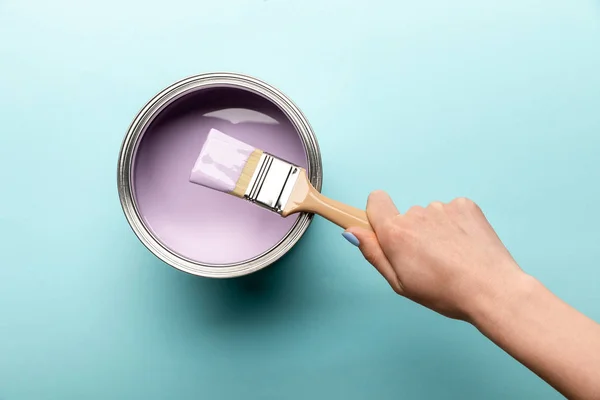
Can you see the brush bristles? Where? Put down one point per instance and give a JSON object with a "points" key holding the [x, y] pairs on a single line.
{"points": [[244, 180]]}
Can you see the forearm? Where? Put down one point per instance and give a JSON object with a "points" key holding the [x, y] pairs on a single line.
{"points": [[555, 341]]}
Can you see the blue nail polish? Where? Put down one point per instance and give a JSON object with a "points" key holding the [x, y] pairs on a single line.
{"points": [[351, 238]]}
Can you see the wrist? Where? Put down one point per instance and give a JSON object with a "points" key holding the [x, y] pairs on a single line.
{"points": [[502, 298]]}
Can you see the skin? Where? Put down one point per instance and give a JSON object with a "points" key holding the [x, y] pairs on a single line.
{"points": [[448, 258]]}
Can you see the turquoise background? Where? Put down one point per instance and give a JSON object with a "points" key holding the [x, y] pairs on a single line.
{"points": [[498, 101]]}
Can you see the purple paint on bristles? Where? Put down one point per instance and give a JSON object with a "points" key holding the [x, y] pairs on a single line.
{"points": [[220, 162]]}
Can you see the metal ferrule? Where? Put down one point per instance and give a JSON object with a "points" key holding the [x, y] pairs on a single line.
{"points": [[272, 183]]}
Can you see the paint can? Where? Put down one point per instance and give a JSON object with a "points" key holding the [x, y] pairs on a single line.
{"points": [[167, 133]]}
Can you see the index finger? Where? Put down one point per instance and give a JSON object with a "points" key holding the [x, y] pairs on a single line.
{"points": [[380, 208]]}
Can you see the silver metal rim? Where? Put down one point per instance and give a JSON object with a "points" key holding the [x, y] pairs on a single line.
{"points": [[141, 123]]}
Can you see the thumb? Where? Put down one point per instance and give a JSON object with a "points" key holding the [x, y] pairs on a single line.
{"points": [[369, 246]]}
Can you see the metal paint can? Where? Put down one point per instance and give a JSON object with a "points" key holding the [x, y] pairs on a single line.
{"points": [[152, 111]]}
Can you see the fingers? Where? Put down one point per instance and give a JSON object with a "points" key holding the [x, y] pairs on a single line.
{"points": [[369, 247], [380, 208]]}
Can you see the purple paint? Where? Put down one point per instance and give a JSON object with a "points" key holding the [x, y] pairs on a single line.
{"points": [[221, 161], [193, 221]]}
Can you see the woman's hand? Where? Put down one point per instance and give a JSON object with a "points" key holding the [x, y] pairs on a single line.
{"points": [[444, 256], [448, 258]]}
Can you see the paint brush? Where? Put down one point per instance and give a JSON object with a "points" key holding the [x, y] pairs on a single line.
{"points": [[237, 168]]}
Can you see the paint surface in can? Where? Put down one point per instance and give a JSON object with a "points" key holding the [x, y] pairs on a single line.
{"points": [[197, 223]]}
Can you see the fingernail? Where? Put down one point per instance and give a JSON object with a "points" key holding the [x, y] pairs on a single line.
{"points": [[351, 238]]}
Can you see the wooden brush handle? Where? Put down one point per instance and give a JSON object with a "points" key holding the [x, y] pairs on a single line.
{"points": [[305, 197], [339, 213]]}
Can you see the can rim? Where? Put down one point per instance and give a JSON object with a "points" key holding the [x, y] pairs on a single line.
{"points": [[143, 120]]}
